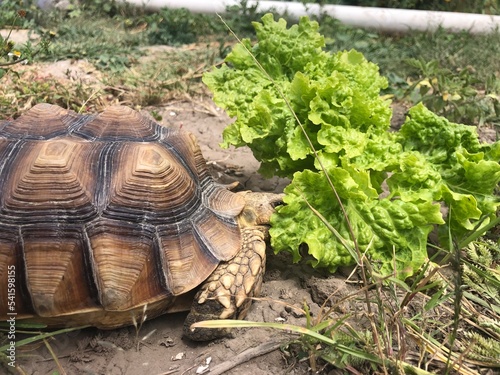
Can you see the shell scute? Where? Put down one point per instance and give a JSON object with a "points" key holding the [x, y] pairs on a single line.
{"points": [[185, 259], [220, 236], [187, 151], [51, 178], [152, 184], [11, 270], [43, 121], [124, 260], [192, 249], [53, 258], [118, 123]]}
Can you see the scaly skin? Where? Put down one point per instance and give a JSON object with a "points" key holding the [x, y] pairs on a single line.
{"points": [[227, 293]]}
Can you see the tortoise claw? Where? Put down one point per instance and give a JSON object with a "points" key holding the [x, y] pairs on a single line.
{"points": [[227, 292]]}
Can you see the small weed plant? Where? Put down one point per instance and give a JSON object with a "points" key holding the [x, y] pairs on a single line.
{"points": [[10, 56], [452, 94]]}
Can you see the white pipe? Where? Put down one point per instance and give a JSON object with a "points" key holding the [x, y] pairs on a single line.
{"points": [[384, 19]]}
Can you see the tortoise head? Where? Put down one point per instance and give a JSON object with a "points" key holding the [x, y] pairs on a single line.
{"points": [[259, 207]]}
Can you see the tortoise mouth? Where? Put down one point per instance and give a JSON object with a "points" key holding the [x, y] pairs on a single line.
{"points": [[278, 202]]}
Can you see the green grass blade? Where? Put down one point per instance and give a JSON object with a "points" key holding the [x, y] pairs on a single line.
{"points": [[42, 336], [223, 323]]}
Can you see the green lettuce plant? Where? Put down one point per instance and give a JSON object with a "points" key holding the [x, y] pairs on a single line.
{"points": [[308, 114]]}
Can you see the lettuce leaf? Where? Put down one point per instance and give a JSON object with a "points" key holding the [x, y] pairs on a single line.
{"points": [[322, 89], [394, 186], [454, 167], [392, 232]]}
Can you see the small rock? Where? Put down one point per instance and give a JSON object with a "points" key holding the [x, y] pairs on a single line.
{"points": [[167, 342], [285, 294], [178, 356], [202, 369], [296, 310], [329, 291]]}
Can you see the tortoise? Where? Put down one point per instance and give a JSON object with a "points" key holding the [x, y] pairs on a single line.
{"points": [[108, 218]]}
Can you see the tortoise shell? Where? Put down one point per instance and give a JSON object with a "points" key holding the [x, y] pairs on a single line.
{"points": [[106, 213]]}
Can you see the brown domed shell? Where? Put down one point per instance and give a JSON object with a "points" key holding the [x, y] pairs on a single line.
{"points": [[105, 212]]}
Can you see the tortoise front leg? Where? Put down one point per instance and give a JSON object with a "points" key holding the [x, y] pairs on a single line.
{"points": [[225, 294]]}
